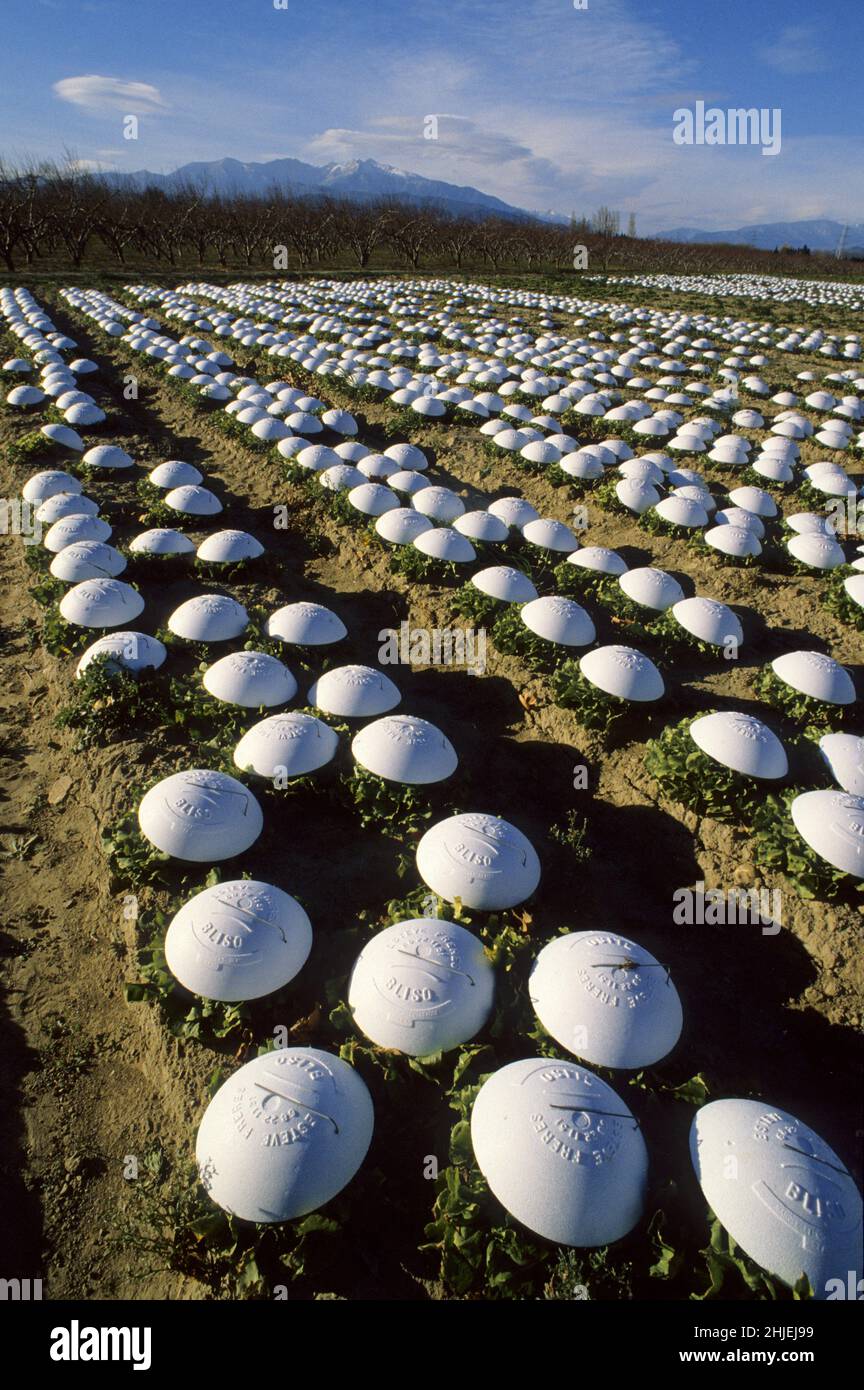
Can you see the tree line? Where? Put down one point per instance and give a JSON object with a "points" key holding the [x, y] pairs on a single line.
{"points": [[64, 217]]}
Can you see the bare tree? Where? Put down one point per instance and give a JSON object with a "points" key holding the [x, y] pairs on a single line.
{"points": [[410, 232], [362, 227]]}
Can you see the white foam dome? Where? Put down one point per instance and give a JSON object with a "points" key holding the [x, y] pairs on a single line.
{"points": [[63, 504], [316, 457], [131, 651], [161, 540], [561, 1151], [405, 481], [107, 456], [401, 525], [504, 583], [606, 999], [229, 548], [421, 986], [284, 1134], [820, 552], [354, 692], [513, 511], [84, 413], [651, 588], [737, 541], [306, 624], [49, 483], [682, 511], [559, 619], [87, 560], [201, 816], [439, 503], [65, 437], [636, 495], [815, 675], [708, 620], [854, 587], [548, 534], [250, 679], [581, 464], [23, 396], [238, 940], [193, 501], [407, 456], [377, 467], [443, 543], [480, 859], [598, 558], [481, 526], [286, 745], [174, 473], [793, 1207], [373, 499], [101, 603], [844, 757], [209, 618], [740, 742], [402, 748], [75, 527], [623, 672], [832, 824], [341, 477]]}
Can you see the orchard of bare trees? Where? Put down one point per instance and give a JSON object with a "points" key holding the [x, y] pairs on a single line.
{"points": [[57, 216]]}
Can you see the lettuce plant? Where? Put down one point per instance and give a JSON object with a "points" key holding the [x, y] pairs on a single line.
{"points": [[794, 703], [777, 846], [642, 624], [106, 705], [425, 569], [687, 775], [395, 808], [839, 603], [594, 708], [31, 448], [475, 607], [670, 632], [573, 835], [511, 636], [575, 581], [606, 497], [658, 526], [152, 507]]}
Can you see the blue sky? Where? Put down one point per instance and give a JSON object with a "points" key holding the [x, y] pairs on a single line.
{"points": [[539, 103]]}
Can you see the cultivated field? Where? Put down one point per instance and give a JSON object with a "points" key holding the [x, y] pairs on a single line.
{"points": [[110, 1065]]}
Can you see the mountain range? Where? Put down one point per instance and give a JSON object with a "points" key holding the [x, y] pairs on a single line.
{"points": [[362, 179], [367, 180], [820, 234]]}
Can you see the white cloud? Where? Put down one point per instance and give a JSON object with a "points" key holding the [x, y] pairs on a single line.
{"points": [[404, 138], [96, 93], [87, 166], [795, 52]]}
